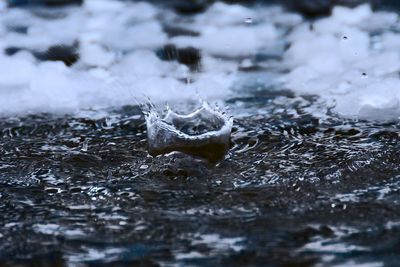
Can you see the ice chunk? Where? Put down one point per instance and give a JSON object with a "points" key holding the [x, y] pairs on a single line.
{"points": [[356, 46], [16, 70], [231, 41], [93, 54], [351, 16], [136, 12], [390, 41], [144, 35], [145, 62], [379, 100], [221, 14], [98, 6], [346, 63], [3, 6]]}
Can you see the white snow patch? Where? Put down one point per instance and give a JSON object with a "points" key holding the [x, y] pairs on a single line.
{"points": [[231, 40], [338, 59], [117, 62]]}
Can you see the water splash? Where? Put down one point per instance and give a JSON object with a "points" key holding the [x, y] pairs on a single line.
{"points": [[204, 133]]}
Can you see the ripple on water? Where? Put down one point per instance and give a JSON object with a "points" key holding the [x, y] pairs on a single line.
{"points": [[86, 188]]}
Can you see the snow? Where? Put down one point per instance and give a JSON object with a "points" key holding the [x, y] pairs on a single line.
{"points": [[117, 61], [230, 41], [221, 14], [349, 59], [145, 35], [225, 30], [345, 63], [93, 54]]}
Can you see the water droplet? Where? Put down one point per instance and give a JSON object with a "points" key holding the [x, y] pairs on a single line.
{"points": [[143, 167], [248, 21], [85, 146]]}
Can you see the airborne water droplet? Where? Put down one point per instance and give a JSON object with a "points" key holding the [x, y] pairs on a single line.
{"points": [[248, 20], [85, 146], [143, 167]]}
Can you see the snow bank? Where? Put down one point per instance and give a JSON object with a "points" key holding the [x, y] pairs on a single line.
{"points": [[231, 30], [117, 61], [351, 59]]}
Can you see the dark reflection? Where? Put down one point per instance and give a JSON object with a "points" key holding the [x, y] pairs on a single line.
{"points": [[64, 53], [189, 56]]}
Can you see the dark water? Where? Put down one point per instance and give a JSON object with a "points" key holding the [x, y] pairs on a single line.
{"points": [[294, 190]]}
